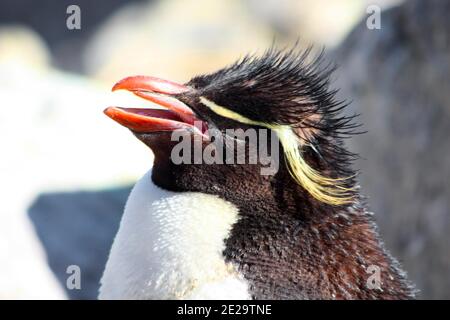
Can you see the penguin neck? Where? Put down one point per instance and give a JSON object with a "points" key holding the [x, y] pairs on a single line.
{"points": [[310, 250]]}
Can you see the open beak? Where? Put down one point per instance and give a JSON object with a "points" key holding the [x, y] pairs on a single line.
{"points": [[176, 115]]}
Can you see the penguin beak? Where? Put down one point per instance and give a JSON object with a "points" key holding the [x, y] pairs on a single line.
{"points": [[175, 115]]}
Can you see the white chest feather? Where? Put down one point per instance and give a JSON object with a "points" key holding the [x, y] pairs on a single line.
{"points": [[169, 246]]}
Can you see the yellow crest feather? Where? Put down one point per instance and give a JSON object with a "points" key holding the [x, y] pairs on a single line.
{"points": [[327, 190]]}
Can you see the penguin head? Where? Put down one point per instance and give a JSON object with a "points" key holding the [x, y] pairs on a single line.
{"points": [[282, 95]]}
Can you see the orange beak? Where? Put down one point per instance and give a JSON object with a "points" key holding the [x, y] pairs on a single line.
{"points": [[177, 114]]}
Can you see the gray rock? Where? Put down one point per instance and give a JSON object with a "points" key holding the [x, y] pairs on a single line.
{"points": [[77, 228], [399, 80]]}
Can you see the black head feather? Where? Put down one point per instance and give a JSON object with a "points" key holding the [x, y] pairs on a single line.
{"points": [[285, 87]]}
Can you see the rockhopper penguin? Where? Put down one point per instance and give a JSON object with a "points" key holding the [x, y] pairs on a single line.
{"points": [[224, 230]]}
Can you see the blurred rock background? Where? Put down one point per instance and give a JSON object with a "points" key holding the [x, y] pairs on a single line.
{"points": [[66, 169], [399, 80]]}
